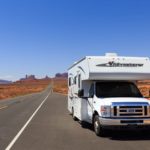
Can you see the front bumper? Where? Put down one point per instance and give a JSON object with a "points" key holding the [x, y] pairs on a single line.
{"points": [[127, 123]]}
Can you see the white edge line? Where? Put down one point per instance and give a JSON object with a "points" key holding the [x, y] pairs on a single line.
{"points": [[3, 107], [26, 124]]}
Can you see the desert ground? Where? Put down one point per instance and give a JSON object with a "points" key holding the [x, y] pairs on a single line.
{"points": [[20, 88], [59, 85], [144, 87]]}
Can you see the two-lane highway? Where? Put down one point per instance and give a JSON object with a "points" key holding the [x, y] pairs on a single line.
{"points": [[15, 112], [52, 128]]}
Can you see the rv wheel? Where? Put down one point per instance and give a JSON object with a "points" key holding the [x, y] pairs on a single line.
{"points": [[99, 131], [73, 116]]}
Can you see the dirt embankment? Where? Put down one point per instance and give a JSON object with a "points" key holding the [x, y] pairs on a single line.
{"points": [[22, 88]]}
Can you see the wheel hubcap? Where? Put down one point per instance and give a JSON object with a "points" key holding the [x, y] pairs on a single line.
{"points": [[96, 125]]}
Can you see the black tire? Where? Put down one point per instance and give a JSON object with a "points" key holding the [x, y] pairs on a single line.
{"points": [[84, 124], [99, 131], [73, 116]]}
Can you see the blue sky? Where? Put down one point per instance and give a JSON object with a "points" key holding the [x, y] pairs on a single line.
{"points": [[46, 36]]}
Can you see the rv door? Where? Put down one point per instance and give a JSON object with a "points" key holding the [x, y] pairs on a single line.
{"points": [[90, 101]]}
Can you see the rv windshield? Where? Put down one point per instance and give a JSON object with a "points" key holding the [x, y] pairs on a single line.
{"points": [[117, 89]]}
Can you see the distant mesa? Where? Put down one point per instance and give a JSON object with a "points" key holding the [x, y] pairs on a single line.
{"points": [[5, 82], [46, 78], [61, 75], [28, 78], [32, 78]]}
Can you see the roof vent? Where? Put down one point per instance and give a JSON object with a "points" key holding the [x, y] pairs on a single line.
{"points": [[111, 55]]}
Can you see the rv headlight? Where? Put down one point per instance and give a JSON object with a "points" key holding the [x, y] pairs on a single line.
{"points": [[105, 111]]}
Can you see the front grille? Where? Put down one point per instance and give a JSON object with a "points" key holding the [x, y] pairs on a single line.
{"points": [[130, 109]]}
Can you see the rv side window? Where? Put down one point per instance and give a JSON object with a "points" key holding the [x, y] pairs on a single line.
{"points": [[79, 81], [69, 81], [91, 91], [75, 79]]}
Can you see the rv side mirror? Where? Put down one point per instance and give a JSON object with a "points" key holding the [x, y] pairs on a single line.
{"points": [[91, 96], [81, 93]]}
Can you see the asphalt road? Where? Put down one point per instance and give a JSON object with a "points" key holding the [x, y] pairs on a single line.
{"points": [[52, 128]]}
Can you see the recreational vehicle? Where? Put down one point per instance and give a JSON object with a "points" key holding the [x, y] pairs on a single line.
{"points": [[103, 92]]}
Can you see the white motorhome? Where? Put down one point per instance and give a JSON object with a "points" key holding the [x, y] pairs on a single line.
{"points": [[103, 92]]}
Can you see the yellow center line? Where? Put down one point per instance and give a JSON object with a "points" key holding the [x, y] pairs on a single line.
{"points": [[3, 107]]}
